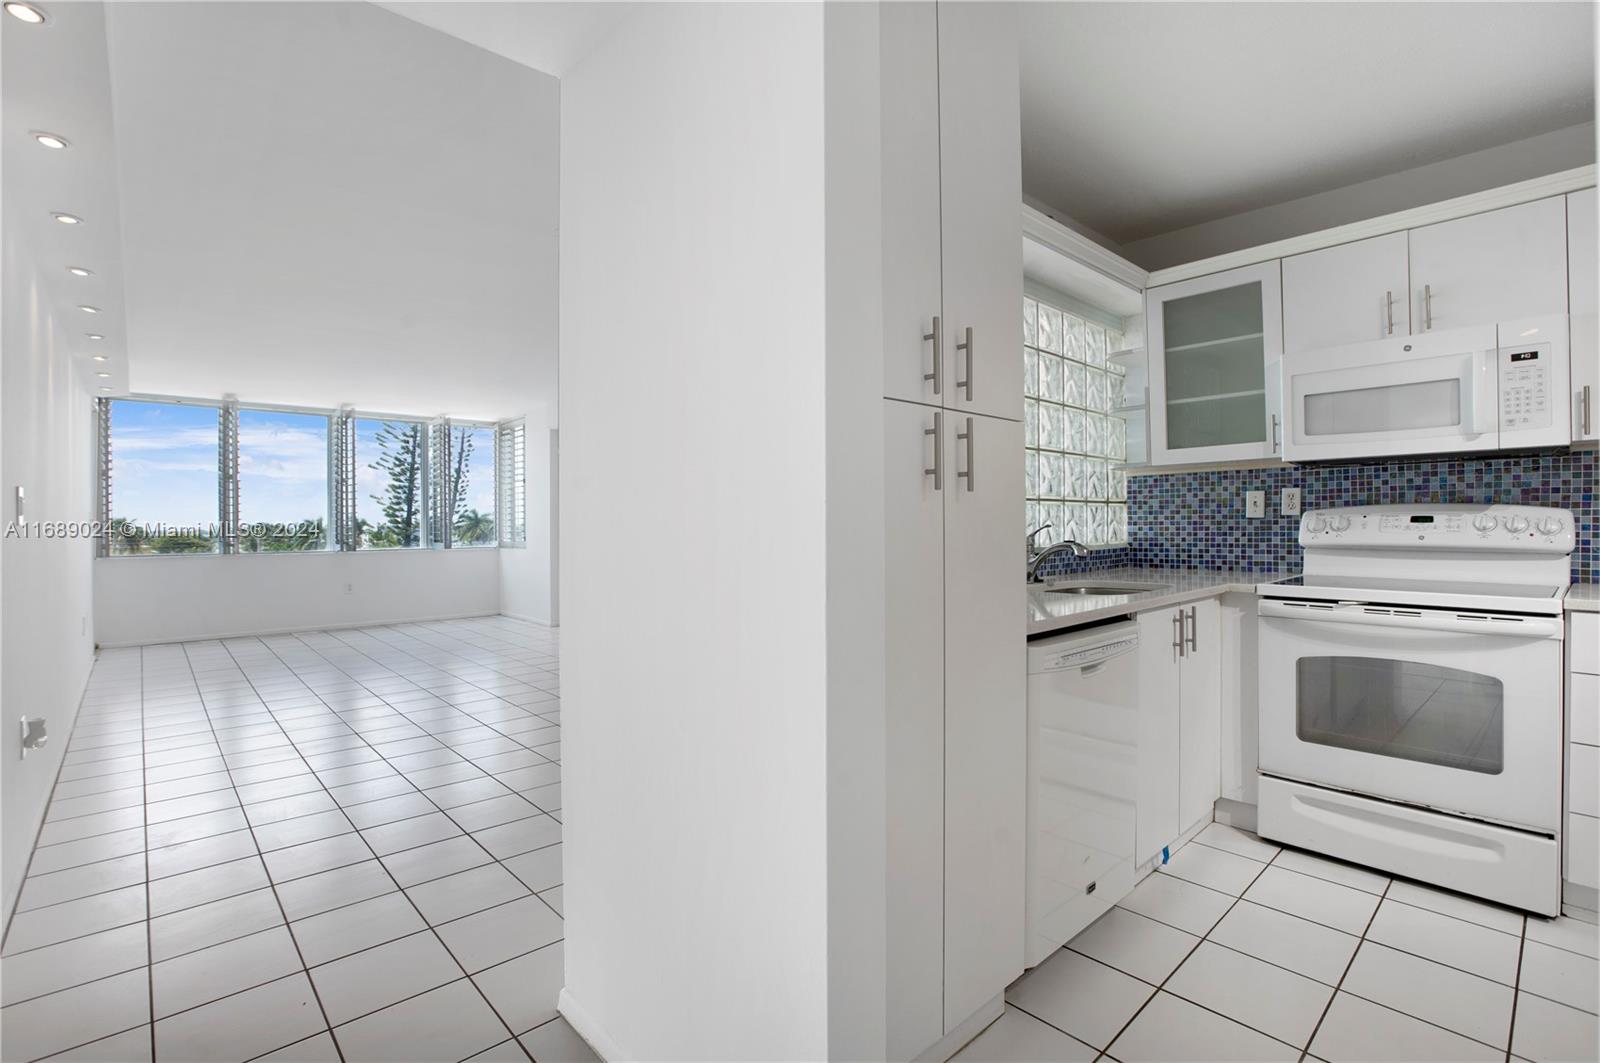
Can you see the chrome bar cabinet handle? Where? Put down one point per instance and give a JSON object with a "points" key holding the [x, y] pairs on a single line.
{"points": [[1588, 424], [1388, 312], [937, 336], [1194, 628], [1275, 434], [1427, 307], [937, 432], [967, 346], [1177, 632], [971, 473]]}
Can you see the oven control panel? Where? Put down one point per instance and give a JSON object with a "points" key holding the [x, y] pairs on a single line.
{"points": [[1525, 388], [1536, 529]]}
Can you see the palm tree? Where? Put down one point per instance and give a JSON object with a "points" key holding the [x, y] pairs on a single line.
{"points": [[126, 536], [474, 527]]}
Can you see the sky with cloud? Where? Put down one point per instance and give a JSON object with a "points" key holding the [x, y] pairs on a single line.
{"points": [[164, 465]]}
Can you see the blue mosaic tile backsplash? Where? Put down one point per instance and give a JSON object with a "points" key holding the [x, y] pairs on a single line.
{"points": [[1196, 519]]}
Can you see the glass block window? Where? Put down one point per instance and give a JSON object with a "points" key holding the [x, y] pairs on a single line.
{"points": [[1077, 440]]}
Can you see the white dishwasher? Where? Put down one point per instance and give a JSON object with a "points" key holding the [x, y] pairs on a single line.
{"points": [[1083, 772]]}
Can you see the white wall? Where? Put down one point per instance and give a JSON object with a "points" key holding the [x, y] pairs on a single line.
{"points": [[45, 447], [528, 573], [142, 600], [1507, 164], [693, 521]]}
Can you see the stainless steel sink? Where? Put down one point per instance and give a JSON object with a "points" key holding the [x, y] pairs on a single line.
{"points": [[1105, 588]]}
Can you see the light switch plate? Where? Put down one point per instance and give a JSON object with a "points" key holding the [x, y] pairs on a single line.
{"points": [[1255, 503], [1290, 505]]}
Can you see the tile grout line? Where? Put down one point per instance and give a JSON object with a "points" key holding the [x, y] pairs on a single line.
{"points": [[270, 885], [409, 899], [144, 816], [1337, 989], [1105, 1053], [1516, 991]]}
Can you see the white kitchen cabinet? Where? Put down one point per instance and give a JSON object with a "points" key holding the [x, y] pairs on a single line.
{"points": [[1497, 266], [956, 675], [980, 166], [985, 712], [1583, 294], [908, 54], [952, 179], [1346, 294], [1582, 843], [1180, 722], [1215, 346], [914, 667]]}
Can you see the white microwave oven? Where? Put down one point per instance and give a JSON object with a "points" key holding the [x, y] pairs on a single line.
{"points": [[1480, 388]]}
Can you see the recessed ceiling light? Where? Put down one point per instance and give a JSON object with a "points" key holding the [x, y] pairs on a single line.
{"points": [[104, 388], [65, 218], [94, 335], [79, 271], [103, 376], [99, 357], [49, 140], [87, 309], [25, 12]]}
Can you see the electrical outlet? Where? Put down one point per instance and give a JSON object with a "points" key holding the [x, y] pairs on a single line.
{"points": [[1290, 504], [1255, 504]]}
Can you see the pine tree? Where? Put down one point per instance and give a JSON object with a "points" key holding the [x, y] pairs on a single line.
{"points": [[401, 459]]}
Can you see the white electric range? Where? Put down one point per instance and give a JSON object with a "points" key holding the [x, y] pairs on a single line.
{"points": [[1411, 695]]}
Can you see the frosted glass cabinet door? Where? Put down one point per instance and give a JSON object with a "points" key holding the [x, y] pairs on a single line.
{"points": [[1215, 346]]}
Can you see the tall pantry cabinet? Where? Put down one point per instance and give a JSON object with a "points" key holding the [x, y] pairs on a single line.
{"points": [[955, 623]]}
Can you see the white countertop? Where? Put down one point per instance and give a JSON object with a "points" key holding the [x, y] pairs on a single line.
{"points": [[1581, 598], [1058, 612]]}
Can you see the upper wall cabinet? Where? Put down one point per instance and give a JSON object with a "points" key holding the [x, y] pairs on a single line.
{"points": [[952, 179], [1583, 278], [1215, 345], [1346, 294], [1496, 266]]}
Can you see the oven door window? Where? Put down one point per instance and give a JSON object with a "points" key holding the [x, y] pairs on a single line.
{"points": [[1402, 709]]}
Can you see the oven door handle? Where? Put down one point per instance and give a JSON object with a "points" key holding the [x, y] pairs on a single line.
{"points": [[1465, 623]]}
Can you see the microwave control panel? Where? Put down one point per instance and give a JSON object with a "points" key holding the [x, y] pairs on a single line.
{"points": [[1525, 388]]}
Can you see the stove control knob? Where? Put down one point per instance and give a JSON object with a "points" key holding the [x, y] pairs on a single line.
{"points": [[1516, 524], [1550, 526], [1315, 522], [1485, 522], [1339, 523]]}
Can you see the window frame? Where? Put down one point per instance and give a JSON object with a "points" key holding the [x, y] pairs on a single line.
{"points": [[105, 458], [511, 482], [342, 456]]}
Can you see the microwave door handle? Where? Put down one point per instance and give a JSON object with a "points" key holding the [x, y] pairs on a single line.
{"points": [[1482, 400]]}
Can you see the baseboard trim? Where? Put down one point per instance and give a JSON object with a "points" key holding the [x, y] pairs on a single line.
{"points": [[525, 618], [964, 1033], [1235, 813], [243, 633], [587, 1028]]}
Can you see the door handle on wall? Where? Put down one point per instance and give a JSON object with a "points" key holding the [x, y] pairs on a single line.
{"points": [[937, 432], [937, 336], [967, 346], [970, 475]]}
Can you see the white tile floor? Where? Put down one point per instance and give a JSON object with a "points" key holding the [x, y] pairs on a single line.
{"points": [[1237, 950], [336, 845]]}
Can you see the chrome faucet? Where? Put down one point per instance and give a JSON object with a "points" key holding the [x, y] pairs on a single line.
{"points": [[1039, 558]]}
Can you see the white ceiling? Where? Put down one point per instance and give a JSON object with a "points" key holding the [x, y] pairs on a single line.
{"points": [[324, 203], [1141, 118], [549, 36], [55, 81]]}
